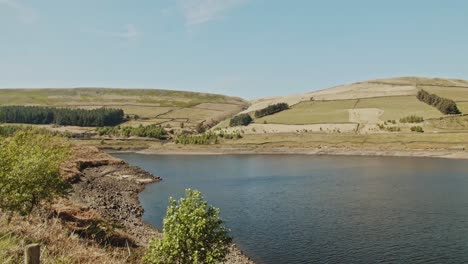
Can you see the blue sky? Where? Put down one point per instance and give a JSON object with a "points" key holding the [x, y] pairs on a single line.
{"points": [[248, 48]]}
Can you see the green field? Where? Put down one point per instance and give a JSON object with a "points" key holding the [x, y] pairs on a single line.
{"points": [[456, 94], [449, 123], [312, 112], [323, 112], [463, 106], [396, 107]]}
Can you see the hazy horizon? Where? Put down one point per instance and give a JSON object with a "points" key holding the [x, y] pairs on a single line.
{"points": [[245, 48]]}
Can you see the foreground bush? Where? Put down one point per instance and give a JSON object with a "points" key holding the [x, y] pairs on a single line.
{"points": [[444, 105], [241, 120], [29, 170], [271, 109], [193, 233]]}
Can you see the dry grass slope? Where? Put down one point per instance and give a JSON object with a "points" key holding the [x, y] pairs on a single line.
{"points": [[152, 106], [369, 102]]}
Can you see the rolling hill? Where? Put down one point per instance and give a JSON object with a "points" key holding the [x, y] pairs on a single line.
{"points": [[374, 106], [143, 106]]}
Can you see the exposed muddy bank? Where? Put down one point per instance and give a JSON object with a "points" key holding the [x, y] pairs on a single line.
{"points": [[110, 187], [423, 153]]}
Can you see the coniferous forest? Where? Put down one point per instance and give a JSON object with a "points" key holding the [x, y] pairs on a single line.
{"points": [[271, 109], [444, 105], [61, 116]]}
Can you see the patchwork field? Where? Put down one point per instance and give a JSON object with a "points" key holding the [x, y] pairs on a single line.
{"points": [[376, 106], [143, 106], [396, 107], [366, 110], [362, 107], [312, 112], [404, 86]]}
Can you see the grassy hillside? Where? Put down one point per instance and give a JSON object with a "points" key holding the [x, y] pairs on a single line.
{"points": [[376, 106], [145, 106], [312, 113]]}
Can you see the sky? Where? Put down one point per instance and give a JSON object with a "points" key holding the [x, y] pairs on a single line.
{"points": [[247, 48]]}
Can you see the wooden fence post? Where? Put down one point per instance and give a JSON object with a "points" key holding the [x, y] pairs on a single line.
{"points": [[32, 254]]}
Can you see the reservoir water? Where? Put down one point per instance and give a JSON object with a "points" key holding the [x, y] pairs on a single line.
{"points": [[324, 209]]}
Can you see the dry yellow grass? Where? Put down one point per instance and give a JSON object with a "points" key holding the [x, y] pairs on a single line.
{"points": [[455, 93], [58, 245]]}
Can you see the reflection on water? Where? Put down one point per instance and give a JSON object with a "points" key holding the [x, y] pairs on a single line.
{"points": [[325, 209]]}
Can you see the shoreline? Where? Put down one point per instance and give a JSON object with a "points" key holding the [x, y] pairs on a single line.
{"points": [[110, 187], [445, 154]]}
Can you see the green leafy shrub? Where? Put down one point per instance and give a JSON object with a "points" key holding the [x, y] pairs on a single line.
{"points": [[271, 109], [444, 105], [30, 170], [6, 131], [193, 233], [412, 119], [418, 129], [241, 120]]}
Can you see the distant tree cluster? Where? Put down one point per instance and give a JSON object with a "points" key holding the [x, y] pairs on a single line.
{"points": [[240, 120], [389, 128], [418, 129], [444, 105], [412, 119], [61, 116], [235, 135], [207, 138], [271, 109], [151, 131], [201, 139]]}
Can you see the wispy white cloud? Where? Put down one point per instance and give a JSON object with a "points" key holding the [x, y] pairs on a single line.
{"points": [[25, 13], [128, 33], [198, 12]]}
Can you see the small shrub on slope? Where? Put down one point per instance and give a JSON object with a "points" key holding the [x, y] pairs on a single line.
{"points": [[193, 234]]}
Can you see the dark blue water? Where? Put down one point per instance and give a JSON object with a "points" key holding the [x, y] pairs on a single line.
{"points": [[324, 209]]}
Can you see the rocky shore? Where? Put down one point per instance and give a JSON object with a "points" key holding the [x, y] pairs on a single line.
{"points": [[110, 187], [208, 150]]}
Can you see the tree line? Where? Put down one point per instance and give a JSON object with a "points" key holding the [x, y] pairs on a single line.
{"points": [[412, 119], [151, 131], [444, 105], [207, 138], [271, 109], [240, 120], [61, 116]]}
